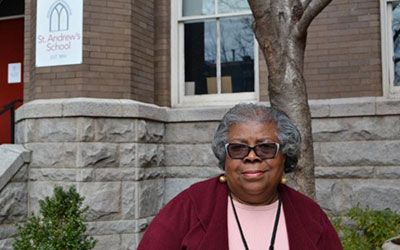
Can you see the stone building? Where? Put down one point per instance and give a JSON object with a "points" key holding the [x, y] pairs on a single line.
{"points": [[131, 125]]}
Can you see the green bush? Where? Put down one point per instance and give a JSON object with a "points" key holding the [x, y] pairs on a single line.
{"points": [[60, 226], [367, 229]]}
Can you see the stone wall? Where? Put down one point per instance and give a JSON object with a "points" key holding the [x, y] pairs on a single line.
{"points": [[129, 158], [13, 191], [108, 151]]}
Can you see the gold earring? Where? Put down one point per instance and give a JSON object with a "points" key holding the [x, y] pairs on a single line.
{"points": [[222, 179], [283, 180]]}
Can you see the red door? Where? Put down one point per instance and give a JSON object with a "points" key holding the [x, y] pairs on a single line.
{"points": [[11, 52]]}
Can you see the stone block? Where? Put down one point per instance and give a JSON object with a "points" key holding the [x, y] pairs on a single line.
{"points": [[107, 242], [111, 227], [39, 190], [127, 152], [357, 153], [53, 174], [13, 203], [24, 153], [54, 130], [356, 128], [150, 199], [136, 109], [336, 195], [149, 131], [203, 155], [192, 172], [386, 106], [85, 128], [344, 172], [11, 162], [53, 155], [150, 173], [194, 132], [116, 174], [129, 241], [7, 231], [92, 107], [6, 244], [388, 172], [174, 186], [85, 174], [40, 108], [21, 132], [319, 108], [103, 199], [352, 106], [97, 155], [21, 175], [179, 155], [115, 130], [129, 197], [25, 131], [196, 114], [150, 155], [142, 224]]}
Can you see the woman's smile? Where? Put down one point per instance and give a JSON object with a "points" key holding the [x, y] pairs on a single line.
{"points": [[253, 174]]}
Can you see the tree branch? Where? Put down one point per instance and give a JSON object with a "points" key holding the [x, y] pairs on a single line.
{"points": [[258, 8], [313, 8], [305, 3]]}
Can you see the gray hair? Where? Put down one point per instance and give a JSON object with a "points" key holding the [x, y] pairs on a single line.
{"points": [[288, 134]]}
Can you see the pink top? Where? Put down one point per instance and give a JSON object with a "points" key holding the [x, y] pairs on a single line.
{"points": [[257, 223]]}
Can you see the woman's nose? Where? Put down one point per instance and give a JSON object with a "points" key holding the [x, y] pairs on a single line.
{"points": [[252, 156]]}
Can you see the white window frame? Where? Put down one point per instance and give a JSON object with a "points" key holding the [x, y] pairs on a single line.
{"points": [[389, 90], [178, 98]]}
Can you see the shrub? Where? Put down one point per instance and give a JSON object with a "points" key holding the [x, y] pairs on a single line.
{"points": [[367, 229], [59, 227]]}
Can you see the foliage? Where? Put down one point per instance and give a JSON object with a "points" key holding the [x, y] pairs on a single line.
{"points": [[368, 229], [59, 227]]}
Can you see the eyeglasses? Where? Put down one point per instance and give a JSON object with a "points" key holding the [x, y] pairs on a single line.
{"points": [[264, 150]]}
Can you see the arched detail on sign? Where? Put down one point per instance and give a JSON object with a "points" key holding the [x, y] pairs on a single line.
{"points": [[58, 15]]}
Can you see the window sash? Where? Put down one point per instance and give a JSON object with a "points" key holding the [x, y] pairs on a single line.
{"points": [[178, 98]]}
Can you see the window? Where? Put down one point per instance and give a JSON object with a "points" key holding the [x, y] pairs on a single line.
{"points": [[213, 54], [390, 13]]}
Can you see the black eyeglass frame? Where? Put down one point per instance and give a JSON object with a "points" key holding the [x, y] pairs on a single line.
{"points": [[249, 148]]}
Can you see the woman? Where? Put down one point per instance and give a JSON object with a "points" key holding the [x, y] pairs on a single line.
{"points": [[248, 207]]}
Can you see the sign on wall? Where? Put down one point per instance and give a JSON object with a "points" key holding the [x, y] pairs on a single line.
{"points": [[59, 32], [14, 73]]}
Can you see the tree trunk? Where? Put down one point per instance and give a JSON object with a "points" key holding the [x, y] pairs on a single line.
{"points": [[280, 27]]}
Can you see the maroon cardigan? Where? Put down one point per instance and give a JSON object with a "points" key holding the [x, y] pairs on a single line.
{"points": [[197, 219]]}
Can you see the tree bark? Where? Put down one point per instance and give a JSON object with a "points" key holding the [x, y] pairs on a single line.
{"points": [[280, 27]]}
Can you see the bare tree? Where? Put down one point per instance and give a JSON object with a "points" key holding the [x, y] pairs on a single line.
{"points": [[280, 27]]}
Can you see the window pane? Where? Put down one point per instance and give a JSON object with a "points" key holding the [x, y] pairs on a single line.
{"points": [[396, 41], [197, 7], [237, 55], [200, 58], [232, 6]]}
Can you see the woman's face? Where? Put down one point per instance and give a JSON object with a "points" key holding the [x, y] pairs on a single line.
{"points": [[251, 179]]}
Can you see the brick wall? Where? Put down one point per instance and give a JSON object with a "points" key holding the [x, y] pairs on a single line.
{"points": [[127, 53], [143, 50], [162, 50], [117, 55], [343, 55]]}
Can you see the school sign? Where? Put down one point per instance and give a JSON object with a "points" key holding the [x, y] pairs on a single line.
{"points": [[59, 32]]}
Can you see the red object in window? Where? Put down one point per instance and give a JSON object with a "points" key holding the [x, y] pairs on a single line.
{"points": [[11, 51]]}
